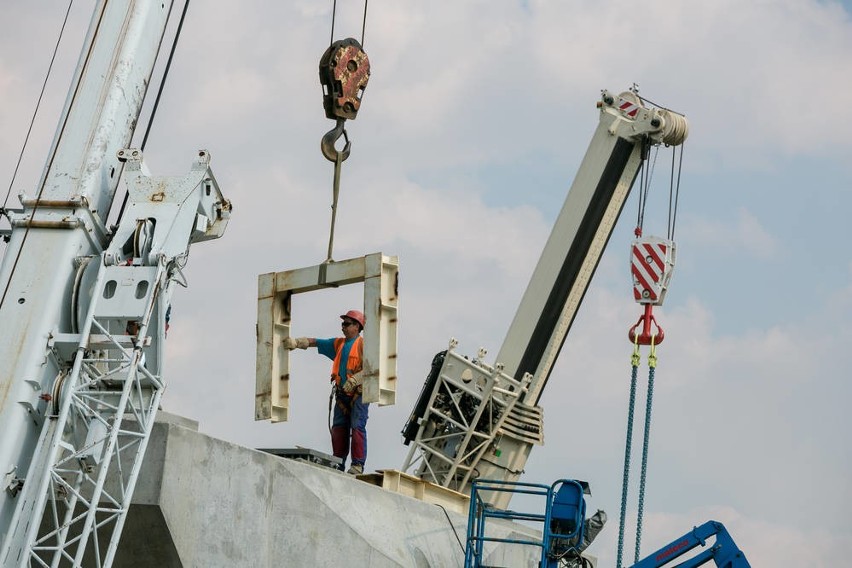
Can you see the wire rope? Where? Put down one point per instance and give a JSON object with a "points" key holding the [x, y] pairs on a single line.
{"points": [[334, 17], [38, 104], [647, 174], [640, 208], [52, 157], [677, 189], [364, 24], [157, 98]]}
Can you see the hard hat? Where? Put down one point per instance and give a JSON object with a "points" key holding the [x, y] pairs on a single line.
{"points": [[355, 315]]}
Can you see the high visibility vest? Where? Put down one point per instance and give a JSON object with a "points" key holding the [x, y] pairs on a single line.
{"points": [[353, 364]]}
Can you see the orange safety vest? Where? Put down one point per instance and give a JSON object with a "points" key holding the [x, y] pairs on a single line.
{"points": [[353, 364]]}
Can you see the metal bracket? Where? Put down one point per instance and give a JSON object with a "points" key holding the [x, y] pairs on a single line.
{"points": [[380, 276], [11, 482]]}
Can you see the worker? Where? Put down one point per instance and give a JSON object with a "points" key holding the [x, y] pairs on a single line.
{"points": [[350, 411]]}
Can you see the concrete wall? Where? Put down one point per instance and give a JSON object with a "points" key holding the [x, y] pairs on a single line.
{"points": [[221, 504]]}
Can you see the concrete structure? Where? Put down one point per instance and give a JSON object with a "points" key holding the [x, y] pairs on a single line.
{"points": [[204, 502]]}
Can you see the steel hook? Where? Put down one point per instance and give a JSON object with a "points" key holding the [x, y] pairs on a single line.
{"points": [[646, 336], [331, 137]]}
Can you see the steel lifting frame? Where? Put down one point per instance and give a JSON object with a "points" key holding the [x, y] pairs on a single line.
{"points": [[275, 290], [467, 410], [92, 445]]}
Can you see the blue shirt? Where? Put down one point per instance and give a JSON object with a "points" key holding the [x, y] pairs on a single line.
{"points": [[326, 347]]}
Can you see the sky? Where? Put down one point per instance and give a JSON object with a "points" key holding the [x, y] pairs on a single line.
{"points": [[471, 129]]}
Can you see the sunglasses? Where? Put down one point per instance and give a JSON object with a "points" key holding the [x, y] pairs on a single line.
{"points": [[347, 323]]}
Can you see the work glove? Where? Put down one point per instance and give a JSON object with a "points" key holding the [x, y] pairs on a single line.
{"points": [[296, 342], [353, 384]]}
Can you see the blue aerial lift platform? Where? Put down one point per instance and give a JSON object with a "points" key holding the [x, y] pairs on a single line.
{"points": [[564, 528], [724, 552], [566, 532]]}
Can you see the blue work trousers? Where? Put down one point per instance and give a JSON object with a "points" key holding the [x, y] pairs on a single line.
{"points": [[350, 421]]}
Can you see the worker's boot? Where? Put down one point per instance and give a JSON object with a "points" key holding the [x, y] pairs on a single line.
{"points": [[356, 469]]}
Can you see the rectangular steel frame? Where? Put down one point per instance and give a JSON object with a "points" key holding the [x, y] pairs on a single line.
{"points": [[380, 275]]}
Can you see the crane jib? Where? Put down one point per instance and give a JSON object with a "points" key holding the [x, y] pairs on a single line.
{"points": [[564, 283]]}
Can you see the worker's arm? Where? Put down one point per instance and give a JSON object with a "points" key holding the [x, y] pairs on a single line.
{"points": [[299, 342]]}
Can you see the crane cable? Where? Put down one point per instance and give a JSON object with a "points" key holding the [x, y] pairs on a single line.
{"points": [[334, 16], [157, 100], [50, 159], [674, 190], [343, 85], [674, 185], [38, 104], [50, 67], [645, 177]]}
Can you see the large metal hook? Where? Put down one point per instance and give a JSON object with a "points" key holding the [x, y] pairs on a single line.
{"points": [[647, 336], [331, 137]]}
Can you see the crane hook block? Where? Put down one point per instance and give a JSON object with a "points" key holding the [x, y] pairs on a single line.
{"points": [[344, 70], [643, 333], [652, 261]]}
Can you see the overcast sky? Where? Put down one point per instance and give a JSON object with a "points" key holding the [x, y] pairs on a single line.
{"points": [[475, 119]]}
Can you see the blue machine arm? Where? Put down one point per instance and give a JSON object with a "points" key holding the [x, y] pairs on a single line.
{"points": [[724, 552]]}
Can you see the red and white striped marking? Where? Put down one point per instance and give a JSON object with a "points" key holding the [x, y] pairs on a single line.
{"points": [[629, 108], [648, 266]]}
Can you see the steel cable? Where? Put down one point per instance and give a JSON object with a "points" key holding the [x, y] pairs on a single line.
{"points": [[676, 189], [38, 104], [52, 156], [364, 24], [334, 16], [157, 100]]}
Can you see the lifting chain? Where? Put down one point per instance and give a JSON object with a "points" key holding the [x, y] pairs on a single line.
{"points": [[634, 362], [344, 70], [652, 364]]}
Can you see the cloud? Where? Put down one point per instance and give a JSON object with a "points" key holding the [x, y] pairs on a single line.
{"points": [[749, 88], [745, 234]]}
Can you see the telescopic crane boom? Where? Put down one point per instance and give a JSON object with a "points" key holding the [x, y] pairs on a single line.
{"points": [[479, 420]]}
